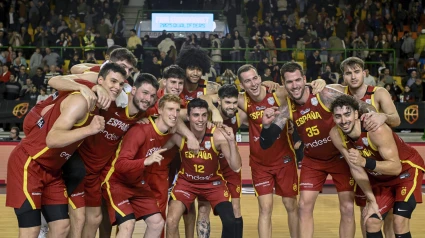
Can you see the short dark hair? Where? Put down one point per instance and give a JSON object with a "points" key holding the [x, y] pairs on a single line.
{"points": [[123, 54], [16, 129], [344, 100], [352, 62], [134, 31], [111, 48], [290, 67], [228, 91], [146, 78], [245, 68], [174, 71], [197, 102], [108, 67]]}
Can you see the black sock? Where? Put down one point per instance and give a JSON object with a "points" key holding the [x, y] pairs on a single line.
{"points": [[239, 227], [405, 235], [374, 234]]}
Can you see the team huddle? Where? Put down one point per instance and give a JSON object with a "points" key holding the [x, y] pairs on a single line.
{"points": [[100, 153]]}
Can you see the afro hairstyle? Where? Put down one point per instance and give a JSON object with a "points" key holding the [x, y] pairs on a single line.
{"points": [[194, 56]]}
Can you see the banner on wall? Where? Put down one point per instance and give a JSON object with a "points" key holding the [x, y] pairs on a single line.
{"points": [[412, 115], [14, 111]]}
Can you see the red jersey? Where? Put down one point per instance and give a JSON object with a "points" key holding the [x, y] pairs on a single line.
{"points": [[34, 144], [98, 149], [200, 90], [95, 69], [314, 121], [233, 123], [368, 97], [409, 157], [141, 141], [282, 150], [34, 118], [203, 167]]}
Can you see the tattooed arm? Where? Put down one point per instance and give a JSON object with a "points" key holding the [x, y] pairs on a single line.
{"points": [[212, 88], [329, 94]]}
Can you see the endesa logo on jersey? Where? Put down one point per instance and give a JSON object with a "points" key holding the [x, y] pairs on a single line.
{"points": [[317, 143]]}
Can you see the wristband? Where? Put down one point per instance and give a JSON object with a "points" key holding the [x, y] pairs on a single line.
{"points": [[370, 164], [269, 135]]}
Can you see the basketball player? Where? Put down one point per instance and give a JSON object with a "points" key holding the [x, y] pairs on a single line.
{"points": [[354, 73], [128, 196], [387, 169], [87, 67], [313, 119], [34, 168], [199, 173]]}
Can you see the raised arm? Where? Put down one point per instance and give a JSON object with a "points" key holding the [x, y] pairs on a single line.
{"points": [[329, 94], [192, 142], [217, 119], [212, 88], [225, 139], [81, 68], [73, 110]]}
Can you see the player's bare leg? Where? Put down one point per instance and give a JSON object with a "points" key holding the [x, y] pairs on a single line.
{"points": [[306, 206], [77, 219], [189, 222], [155, 224], [291, 207], [126, 229], [373, 226], [93, 220], [59, 228], [29, 232], [362, 224], [347, 226], [389, 225], [265, 203], [236, 204], [203, 225], [175, 211], [401, 226]]}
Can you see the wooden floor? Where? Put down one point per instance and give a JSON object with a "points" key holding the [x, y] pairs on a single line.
{"points": [[326, 216]]}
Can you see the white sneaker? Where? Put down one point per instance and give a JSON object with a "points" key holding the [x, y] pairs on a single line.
{"points": [[43, 231]]}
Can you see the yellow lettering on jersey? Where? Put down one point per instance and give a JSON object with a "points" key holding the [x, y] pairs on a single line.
{"points": [[256, 115], [201, 154], [366, 153], [307, 117]]}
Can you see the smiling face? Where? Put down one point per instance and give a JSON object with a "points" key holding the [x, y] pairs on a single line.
{"points": [[295, 84], [251, 82], [193, 74], [144, 97], [229, 106], [174, 86], [345, 118], [169, 113], [198, 119], [113, 83]]}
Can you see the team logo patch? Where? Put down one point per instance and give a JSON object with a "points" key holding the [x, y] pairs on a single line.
{"points": [[368, 101], [365, 141], [233, 120], [314, 101], [238, 189], [351, 182], [208, 145], [226, 194], [198, 94], [403, 191], [40, 123], [303, 112], [65, 193], [294, 187], [405, 175], [271, 101]]}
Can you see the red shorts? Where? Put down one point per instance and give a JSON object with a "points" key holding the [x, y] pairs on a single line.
{"points": [[284, 180], [87, 193], [314, 173], [215, 192], [123, 200], [27, 180], [234, 183], [396, 190], [158, 182]]}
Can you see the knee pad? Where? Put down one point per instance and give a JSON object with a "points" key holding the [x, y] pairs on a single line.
{"points": [[405, 209], [73, 172], [27, 217], [405, 235], [225, 211], [374, 234], [55, 212]]}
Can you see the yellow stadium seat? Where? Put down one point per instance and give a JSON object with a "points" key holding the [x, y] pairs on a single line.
{"points": [[218, 79], [65, 67], [398, 80]]}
